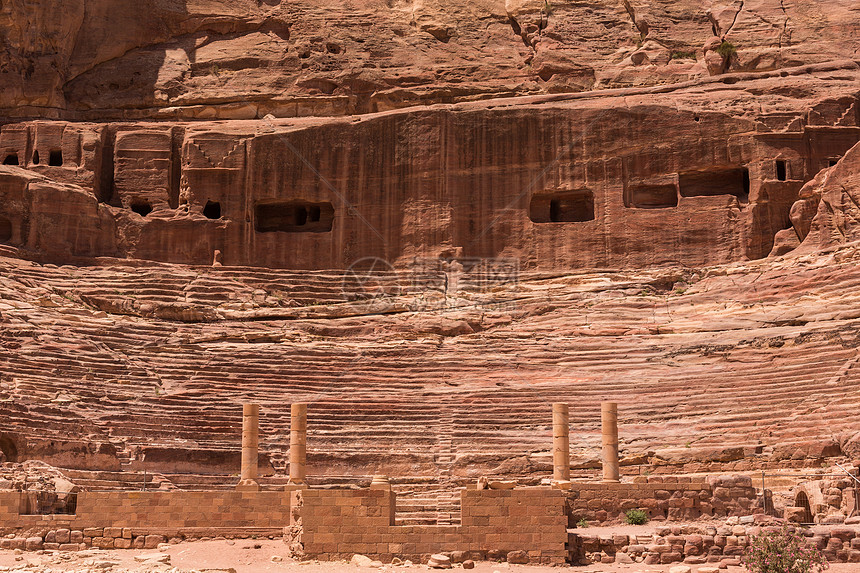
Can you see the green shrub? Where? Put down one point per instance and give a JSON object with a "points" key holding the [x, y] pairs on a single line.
{"points": [[582, 523], [727, 50], [636, 517], [679, 55], [782, 551]]}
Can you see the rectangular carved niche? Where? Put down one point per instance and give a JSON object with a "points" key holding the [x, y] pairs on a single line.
{"points": [[717, 182], [562, 207], [651, 196], [293, 217]]}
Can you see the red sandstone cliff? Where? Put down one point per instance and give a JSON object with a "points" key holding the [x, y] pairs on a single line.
{"points": [[703, 172], [703, 158], [100, 59]]}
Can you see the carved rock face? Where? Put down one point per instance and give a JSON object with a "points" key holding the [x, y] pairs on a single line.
{"points": [[634, 181]]}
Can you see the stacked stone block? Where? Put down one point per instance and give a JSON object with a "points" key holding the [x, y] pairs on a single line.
{"points": [[693, 544], [672, 498], [142, 519], [529, 521]]}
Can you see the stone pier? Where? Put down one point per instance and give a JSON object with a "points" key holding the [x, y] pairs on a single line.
{"points": [[298, 442], [250, 447], [560, 442], [609, 421]]}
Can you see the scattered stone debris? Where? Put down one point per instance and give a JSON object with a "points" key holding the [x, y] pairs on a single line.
{"points": [[439, 561]]}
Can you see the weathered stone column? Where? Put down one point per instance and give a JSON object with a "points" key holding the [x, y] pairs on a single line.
{"points": [[298, 442], [609, 420], [560, 442], [250, 447]]}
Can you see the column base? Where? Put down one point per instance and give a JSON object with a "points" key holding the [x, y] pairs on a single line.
{"points": [[560, 484], [247, 485], [293, 485]]}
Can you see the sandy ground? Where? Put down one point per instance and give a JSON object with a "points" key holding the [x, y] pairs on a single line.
{"points": [[256, 556]]}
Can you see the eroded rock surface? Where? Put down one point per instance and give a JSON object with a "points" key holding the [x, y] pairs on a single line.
{"points": [[428, 220], [243, 59], [695, 174]]}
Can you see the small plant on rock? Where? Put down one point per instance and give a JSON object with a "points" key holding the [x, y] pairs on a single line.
{"points": [[582, 523], [727, 50], [782, 551], [682, 55], [636, 517]]}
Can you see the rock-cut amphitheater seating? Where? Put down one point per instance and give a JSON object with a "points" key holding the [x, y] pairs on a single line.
{"points": [[433, 398]]}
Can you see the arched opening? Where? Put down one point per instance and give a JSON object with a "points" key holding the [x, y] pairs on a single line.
{"points": [[142, 208], [8, 449], [55, 158], [781, 169], [36, 157], [657, 196], [11, 159], [294, 217], [212, 210], [562, 207], [735, 181], [803, 501], [5, 230]]}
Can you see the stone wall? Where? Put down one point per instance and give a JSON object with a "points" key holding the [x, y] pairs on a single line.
{"points": [[663, 497], [530, 522], [698, 544], [124, 519]]}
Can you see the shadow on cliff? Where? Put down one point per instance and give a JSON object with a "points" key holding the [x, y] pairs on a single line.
{"points": [[128, 54]]}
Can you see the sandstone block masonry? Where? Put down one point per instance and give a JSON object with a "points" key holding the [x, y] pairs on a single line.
{"points": [[663, 497], [699, 544], [124, 519], [335, 524]]}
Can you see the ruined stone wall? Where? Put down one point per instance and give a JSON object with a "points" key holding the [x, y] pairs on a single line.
{"points": [[698, 544], [124, 519], [339, 523], [672, 498]]}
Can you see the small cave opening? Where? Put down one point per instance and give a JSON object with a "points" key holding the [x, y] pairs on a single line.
{"points": [[663, 196], [142, 208], [5, 230], [781, 170], [294, 217], [212, 210], [734, 181], [36, 157], [8, 449], [55, 158], [832, 162], [566, 207], [11, 159]]}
